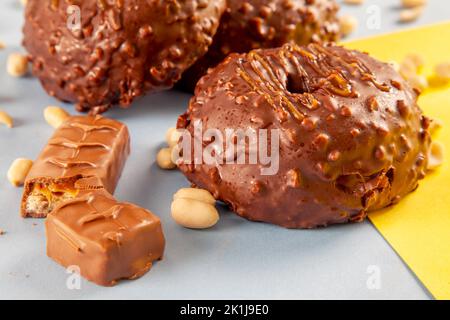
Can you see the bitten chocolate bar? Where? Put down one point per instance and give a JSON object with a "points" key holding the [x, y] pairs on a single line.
{"points": [[106, 239], [83, 146]]}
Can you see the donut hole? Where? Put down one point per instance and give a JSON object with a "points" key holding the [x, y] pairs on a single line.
{"points": [[296, 84]]}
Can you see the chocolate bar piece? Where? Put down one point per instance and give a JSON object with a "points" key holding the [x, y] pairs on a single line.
{"points": [[83, 146], [106, 239]]}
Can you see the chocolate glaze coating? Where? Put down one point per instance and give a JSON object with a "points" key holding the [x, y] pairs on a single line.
{"points": [[353, 138], [124, 49], [254, 24]]}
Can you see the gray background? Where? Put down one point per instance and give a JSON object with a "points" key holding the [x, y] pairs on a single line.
{"points": [[236, 259]]}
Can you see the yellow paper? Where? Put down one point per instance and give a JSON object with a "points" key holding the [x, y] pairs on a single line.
{"points": [[418, 228]]}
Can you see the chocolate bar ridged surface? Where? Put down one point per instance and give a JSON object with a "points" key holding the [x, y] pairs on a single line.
{"points": [[98, 53], [105, 239], [352, 137], [254, 24], [83, 146]]}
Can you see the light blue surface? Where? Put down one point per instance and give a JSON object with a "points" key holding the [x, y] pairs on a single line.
{"points": [[236, 259]]}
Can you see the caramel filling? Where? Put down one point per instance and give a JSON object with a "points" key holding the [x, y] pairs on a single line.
{"points": [[45, 197]]}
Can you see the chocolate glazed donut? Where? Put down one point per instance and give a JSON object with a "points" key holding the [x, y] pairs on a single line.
{"points": [[254, 24], [121, 50], [352, 137]]}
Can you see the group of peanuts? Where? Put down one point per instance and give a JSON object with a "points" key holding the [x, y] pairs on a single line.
{"points": [[167, 157], [17, 66], [411, 70], [411, 11], [191, 207]]}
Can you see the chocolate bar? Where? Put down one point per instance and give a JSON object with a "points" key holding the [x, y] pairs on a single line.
{"points": [[82, 147], [106, 239]]}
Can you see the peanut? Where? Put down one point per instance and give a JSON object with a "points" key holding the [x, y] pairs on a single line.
{"points": [[416, 60], [194, 208], [418, 81], [172, 137], [2, 45], [195, 194], [164, 159], [354, 2], [6, 119], [410, 14], [17, 65], [347, 24], [436, 155], [442, 71], [18, 171], [413, 3], [407, 69], [55, 116]]}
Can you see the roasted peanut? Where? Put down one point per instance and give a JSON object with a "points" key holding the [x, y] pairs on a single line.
{"points": [[436, 155], [2, 45], [407, 69], [411, 65], [413, 3], [415, 60], [55, 116], [354, 2], [6, 119], [410, 14], [347, 24], [418, 81], [164, 159], [442, 71], [18, 171], [172, 137], [194, 208], [17, 65], [195, 194]]}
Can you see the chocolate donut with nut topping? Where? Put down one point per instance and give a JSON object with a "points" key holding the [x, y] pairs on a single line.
{"points": [[255, 24], [98, 53], [352, 137]]}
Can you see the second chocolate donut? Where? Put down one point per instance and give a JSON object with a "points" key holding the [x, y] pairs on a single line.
{"points": [[253, 24], [98, 53]]}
